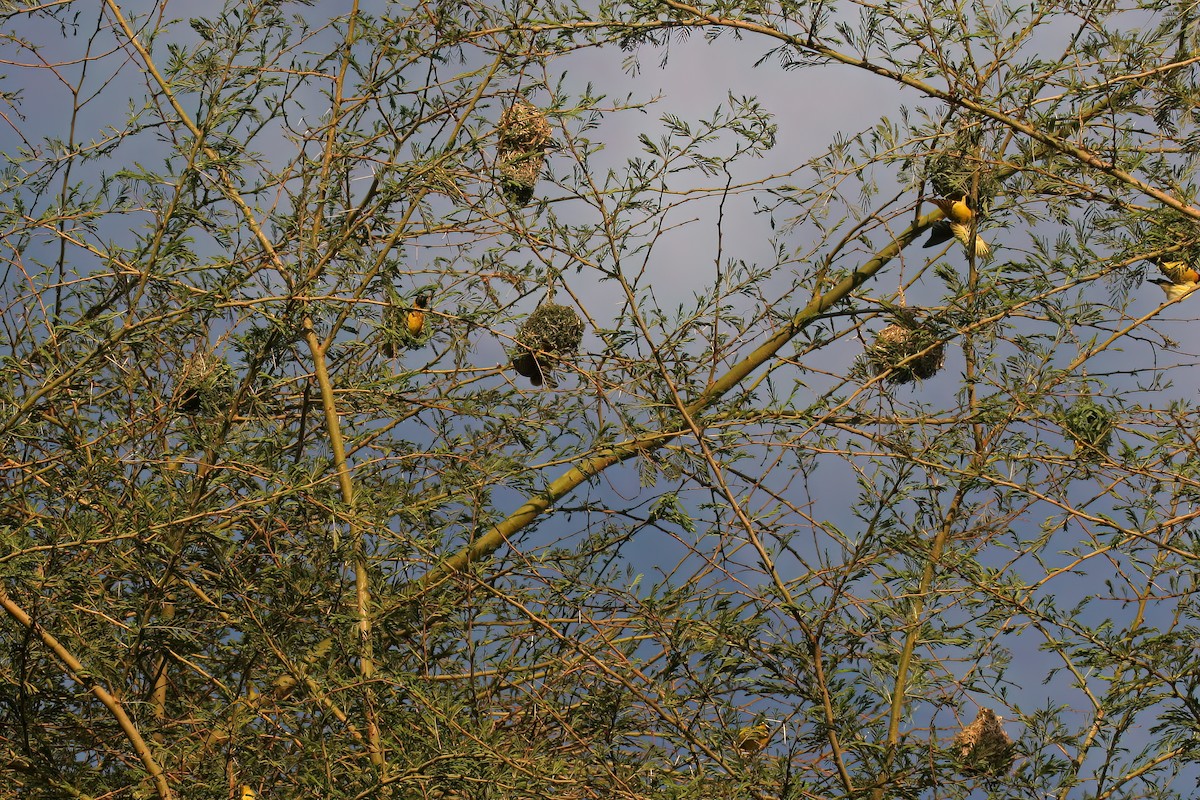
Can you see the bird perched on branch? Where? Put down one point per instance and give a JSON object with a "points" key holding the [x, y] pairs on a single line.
{"points": [[959, 221], [404, 327], [414, 321], [752, 739], [1181, 277]]}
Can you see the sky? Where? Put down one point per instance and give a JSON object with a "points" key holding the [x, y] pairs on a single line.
{"points": [[811, 108]]}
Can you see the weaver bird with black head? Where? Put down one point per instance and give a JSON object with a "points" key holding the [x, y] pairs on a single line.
{"points": [[752, 739], [958, 222], [414, 321]]}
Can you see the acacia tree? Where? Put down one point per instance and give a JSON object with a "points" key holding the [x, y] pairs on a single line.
{"points": [[780, 524]]}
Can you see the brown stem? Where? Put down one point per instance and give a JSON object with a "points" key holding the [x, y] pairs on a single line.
{"points": [[362, 591], [79, 674]]}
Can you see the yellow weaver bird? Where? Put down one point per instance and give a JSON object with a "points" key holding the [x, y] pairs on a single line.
{"points": [[956, 209], [414, 321], [1181, 279], [753, 739], [958, 220]]}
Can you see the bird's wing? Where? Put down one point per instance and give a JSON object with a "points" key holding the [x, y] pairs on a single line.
{"points": [[940, 231], [1178, 272], [963, 234], [956, 209], [527, 366]]}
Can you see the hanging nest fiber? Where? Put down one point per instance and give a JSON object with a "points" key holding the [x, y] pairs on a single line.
{"points": [[206, 385], [551, 332], [983, 746], [1090, 426], [524, 137], [904, 338]]}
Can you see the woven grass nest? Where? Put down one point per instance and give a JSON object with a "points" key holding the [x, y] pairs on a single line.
{"points": [[206, 385], [1090, 426], [983, 746], [521, 153], [904, 338], [958, 168], [949, 183], [1169, 230], [549, 333]]}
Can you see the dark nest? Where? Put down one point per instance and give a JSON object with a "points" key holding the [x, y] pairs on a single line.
{"points": [[983, 746], [551, 332], [206, 385], [524, 137], [1090, 427], [906, 339]]}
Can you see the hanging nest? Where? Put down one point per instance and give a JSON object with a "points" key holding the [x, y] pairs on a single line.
{"points": [[905, 338], [1090, 426], [1173, 232], [551, 332], [1175, 240], [961, 182], [206, 385], [957, 169], [524, 137], [983, 746]]}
